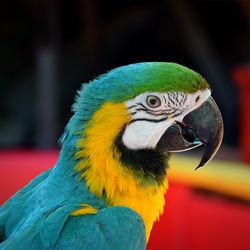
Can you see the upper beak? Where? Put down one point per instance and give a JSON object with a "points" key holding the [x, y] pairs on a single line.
{"points": [[201, 126]]}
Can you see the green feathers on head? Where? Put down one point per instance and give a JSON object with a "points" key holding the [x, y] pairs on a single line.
{"points": [[126, 82]]}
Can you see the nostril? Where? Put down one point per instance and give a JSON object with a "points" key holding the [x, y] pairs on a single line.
{"points": [[197, 98], [188, 134]]}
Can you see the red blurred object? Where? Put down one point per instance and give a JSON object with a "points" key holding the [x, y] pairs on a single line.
{"points": [[18, 167], [192, 220], [241, 76], [196, 221]]}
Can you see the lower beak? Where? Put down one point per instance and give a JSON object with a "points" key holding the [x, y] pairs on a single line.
{"points": [[201, 126]]}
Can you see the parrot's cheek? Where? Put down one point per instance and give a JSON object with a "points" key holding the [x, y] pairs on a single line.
{"points": [[203, 126]]}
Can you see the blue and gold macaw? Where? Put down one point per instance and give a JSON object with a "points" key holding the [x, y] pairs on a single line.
{"points": [[107, 188]]}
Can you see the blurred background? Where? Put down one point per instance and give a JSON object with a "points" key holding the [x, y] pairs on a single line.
{"points": [[48, 48]]}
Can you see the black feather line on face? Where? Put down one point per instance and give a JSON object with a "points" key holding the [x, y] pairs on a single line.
{"points": [[170, 98], [132, 106], [149, 120], [165, 99], [158, 113], [147, 164]]}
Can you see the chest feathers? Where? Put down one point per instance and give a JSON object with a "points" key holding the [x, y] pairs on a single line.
{"points": [[106, 176]]}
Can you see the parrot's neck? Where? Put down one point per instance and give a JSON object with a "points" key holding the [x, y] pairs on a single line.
{"points": [[105, 173]]}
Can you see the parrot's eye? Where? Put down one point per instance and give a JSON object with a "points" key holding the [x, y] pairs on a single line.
{"points": [[153, 101]]}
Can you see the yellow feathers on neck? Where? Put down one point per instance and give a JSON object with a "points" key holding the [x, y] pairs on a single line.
{"points": [[103, 172]]}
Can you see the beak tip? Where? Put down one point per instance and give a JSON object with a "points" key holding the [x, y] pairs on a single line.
{"points": [[207, 123], [201, 164]]}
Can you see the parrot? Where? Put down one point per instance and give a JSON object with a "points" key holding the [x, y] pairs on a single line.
{"points": [[108, 185]]}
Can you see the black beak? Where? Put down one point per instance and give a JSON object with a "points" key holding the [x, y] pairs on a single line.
{"points": [[201, 126]]}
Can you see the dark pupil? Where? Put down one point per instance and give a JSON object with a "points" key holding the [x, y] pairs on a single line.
{"points": [[152, 101]]}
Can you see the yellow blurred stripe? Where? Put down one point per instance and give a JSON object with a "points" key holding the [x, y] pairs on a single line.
{"points": [[230, 178]]}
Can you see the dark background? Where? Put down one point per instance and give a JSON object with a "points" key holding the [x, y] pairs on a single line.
{"points": [[48, 48]]}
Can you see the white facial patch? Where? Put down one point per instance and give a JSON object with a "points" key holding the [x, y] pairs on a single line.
{"points": [[149, 123]]}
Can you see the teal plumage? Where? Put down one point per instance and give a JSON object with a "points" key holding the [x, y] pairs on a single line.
{"points": [[39, 216]]}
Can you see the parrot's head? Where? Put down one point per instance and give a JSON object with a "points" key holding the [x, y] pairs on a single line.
{"points": [[128, 121], [149, 110]]}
